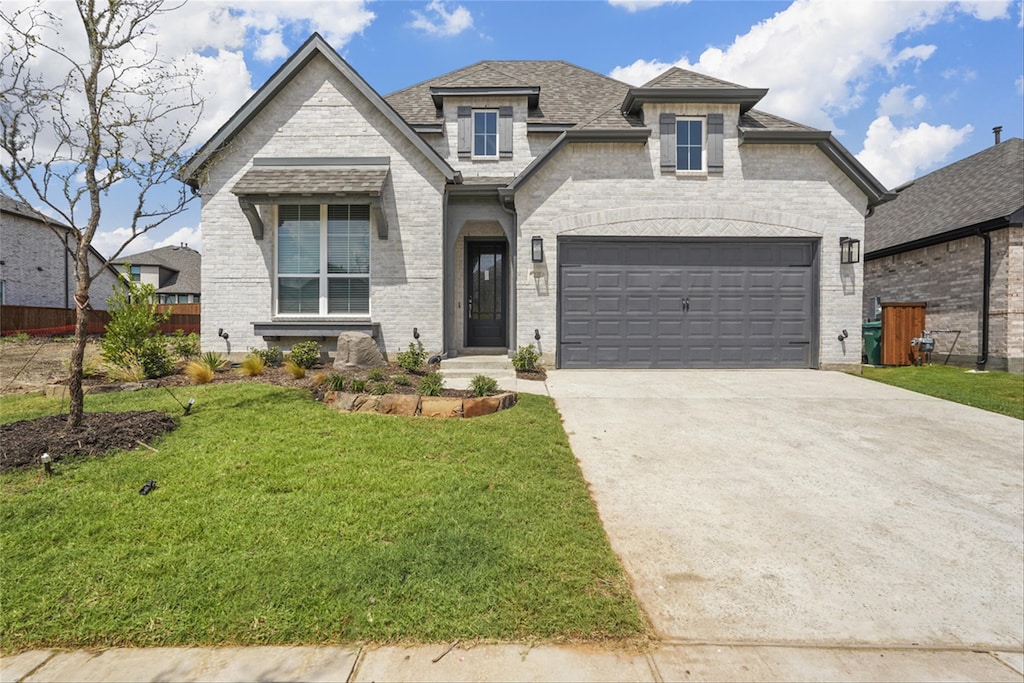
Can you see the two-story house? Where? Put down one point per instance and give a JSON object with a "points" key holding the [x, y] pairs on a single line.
{"points": [[174, 271], [518, 202]]}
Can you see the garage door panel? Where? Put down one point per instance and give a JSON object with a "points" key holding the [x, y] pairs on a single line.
{"points": [[653, 303]]}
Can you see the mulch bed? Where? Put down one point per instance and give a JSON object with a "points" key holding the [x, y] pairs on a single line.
{"points": [[21, 443]]}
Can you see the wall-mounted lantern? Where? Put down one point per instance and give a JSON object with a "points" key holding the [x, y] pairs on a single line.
{"points": [[849, 250], [537, 245]]}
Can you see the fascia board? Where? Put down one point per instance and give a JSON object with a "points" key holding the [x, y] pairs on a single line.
{"points": [[747, 98]]}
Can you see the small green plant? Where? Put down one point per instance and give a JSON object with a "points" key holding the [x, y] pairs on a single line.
{"points": [[253, 365], [413, 359], [401, 380], [183, 345], [357, 386], [214, 361], [16, 337], [482, 385], [305, 354], [335, 382], [132, 335], [525, 358], [294, 369], [382, 388], [199, 372], [432, 384], [131, 371], [377, 374], [272, 356]]}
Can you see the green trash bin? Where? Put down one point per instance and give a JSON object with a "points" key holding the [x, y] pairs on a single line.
{"points": [[872, 333]]}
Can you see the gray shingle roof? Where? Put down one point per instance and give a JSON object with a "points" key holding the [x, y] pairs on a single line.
{"points": [[682, 78], [185, 262], [318, 180], [569, 94], [18, 208], [985, 186], [755, 119]]}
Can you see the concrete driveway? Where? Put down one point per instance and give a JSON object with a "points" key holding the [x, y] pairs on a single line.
{"points": [[804, 507]]}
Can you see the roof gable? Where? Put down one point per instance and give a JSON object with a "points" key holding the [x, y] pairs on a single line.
{"points": [[315, 45], [185, 264], [683, 78], [984, 187]]}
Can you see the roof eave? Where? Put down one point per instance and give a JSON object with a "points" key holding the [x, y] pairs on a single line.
{"points": [[946, 236], [832, 148], [314, 45], [746, 98], [531, 93]]}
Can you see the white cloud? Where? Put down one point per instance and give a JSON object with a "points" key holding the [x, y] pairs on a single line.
{"points": [[272, 47], [815, 55], [964, 74], [896, 155], [441, 21], [107, 242], [987, 10], [896, 103], [635, 5], [1020, 84]]}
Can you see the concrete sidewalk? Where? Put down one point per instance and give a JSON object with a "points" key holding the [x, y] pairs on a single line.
{"points": [[511, 662]]}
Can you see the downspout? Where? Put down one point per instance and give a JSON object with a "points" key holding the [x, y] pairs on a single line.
{"points": [[986, 289], [513, 268]]}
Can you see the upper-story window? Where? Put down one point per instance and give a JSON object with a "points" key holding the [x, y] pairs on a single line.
{"points": [[323, 260], [485, 134], [136, 273], [689, 144]]}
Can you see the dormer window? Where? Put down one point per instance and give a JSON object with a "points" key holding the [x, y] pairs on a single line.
{"points": [[485, 134], [689, 145]]}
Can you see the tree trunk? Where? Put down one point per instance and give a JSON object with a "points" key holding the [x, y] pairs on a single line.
{"points": [[77, 405]]}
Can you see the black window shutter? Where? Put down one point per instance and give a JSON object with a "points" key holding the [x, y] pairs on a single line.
{"points": [[465, 132], [505, 132], [716, 133], [668, 142]]}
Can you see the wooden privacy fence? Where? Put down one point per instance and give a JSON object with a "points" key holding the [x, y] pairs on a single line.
{"points": [[901, 322], [38, 321]]}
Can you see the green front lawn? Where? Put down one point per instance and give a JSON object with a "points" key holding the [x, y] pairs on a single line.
{"points": [[998, 392], [277, 520]]}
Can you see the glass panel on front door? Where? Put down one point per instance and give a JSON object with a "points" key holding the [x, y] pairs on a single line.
{"points": [[485, 293]]}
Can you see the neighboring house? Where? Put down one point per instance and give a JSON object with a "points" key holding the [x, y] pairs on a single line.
{"points": [[174, 271], [510, 203], [37, 261], [953, 239]]}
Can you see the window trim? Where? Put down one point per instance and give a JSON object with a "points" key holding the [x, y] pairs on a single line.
{"points": [[703, 170], [323, 276], [497, 143], [135, 273]]}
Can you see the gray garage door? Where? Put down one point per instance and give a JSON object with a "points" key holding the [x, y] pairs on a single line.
{"points": [[687, 304]]}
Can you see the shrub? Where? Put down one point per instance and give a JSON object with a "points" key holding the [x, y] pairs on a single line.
{"points": [[294, 369], [413, 359], [214, 361], [381, 388], [272, 357], [431, 385], [199, 372], [184, 345], [401, 380], [132, 334], [305, 354], [357, 386], [482, 385], [335, 382], [253, 365], [525, 358], [377, 374], [131, 371]]}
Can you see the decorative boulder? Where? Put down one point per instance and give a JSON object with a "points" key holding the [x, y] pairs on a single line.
{"points": [[357, 351]]}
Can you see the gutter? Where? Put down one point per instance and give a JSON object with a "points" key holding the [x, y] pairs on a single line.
{"points": [[986, 290], [932, 240]]}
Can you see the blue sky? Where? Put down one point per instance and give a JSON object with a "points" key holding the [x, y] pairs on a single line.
{"points": [[905, 86]]}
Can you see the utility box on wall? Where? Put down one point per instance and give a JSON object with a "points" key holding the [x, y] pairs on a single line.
{"points": [[902, 322]]}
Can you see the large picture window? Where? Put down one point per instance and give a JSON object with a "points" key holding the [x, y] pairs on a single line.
{"points": [[323, 260]]}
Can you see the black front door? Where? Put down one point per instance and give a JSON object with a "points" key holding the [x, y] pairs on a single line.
{"points": [[486, 298]]}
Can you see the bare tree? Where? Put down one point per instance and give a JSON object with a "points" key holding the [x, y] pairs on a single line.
{"points": [[113, 115]]}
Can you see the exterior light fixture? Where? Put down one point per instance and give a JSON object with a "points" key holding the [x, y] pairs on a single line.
{"points": [[849, 250], [537, 249], [47, 462]]}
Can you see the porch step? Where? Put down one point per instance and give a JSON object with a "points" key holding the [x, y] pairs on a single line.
{"points": [[468, 367]]}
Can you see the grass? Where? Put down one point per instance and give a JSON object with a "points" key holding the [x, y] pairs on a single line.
{"points": [[998, 392], [278, 521]]}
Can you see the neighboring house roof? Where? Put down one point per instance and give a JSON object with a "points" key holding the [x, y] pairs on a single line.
{"points": [[192, 171], [983, 191], [18, 208], [184, 263]]}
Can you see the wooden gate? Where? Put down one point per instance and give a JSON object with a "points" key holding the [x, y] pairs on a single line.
{"points": [[901, 322]]}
